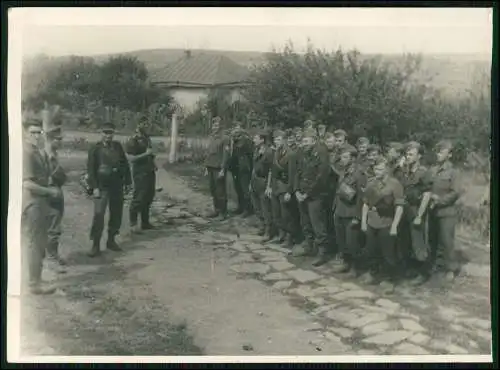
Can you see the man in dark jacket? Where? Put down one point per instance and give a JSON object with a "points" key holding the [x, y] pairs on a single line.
{"points": [[216, 164], [141, 156], [311, 192], [240, 165], [108, 174]]}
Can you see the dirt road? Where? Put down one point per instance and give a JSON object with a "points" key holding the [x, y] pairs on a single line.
{"points": [[201, 287]]}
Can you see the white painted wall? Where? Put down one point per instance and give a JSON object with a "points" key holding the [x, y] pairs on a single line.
{"points": [[188, 97]]}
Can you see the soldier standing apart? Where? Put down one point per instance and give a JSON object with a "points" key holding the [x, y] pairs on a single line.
{"points": [[443, 213], [216, 164], [348, 205], [415, 180], [108, 176], [142, 158], [312, 192], [56, 205], [240, 165], [381, 214], [35, 208], [262, 162], [281, 186]]}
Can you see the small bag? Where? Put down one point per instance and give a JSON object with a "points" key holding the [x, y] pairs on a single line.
{"points": [[346, 192]]}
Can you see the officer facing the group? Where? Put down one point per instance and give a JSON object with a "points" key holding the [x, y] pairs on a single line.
{"points": [[108, 176], [312, 192], [240, 165], [37, 192], [142, 158], [445, 193], [57, 178], [216, 164]]}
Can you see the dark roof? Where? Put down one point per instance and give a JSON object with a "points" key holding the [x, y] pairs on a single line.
{"points": [[201, 69]]}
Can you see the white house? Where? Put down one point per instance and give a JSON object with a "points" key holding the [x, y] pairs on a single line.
{"points": [[194, 76]]}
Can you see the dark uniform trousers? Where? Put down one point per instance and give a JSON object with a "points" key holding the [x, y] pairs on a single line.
{"points": [[111, 197], [313, 217], [55, 215], [144, 193], [333, 245], [262, 204], [348, 240], [282, 212], [381, 251], [414, 241], [34, 225], [218, 189], [442, 240], [241, 182]]}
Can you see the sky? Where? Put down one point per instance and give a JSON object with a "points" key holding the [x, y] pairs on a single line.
{"points": [[90, 31]]}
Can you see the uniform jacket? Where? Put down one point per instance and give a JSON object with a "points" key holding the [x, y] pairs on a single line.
{"points": [[282, 173], [444, 183], [382, 197], [313, 172], [35, 169], [262, 162], [349, 192], [416, 182], [107, 165], [218, 151], [241, 154], [136, 145]]}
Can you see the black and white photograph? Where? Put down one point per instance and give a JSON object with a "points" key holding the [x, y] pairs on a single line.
{"points": [[249, 184]]}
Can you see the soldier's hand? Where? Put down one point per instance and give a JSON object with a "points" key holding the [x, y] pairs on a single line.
{"points": [[354, 222], [205, 173], [149, 151], [268, 192], [287, 197], [393, 231], [127, 189], [97, 193], [55, 192], [221, 173], [417, 221]]}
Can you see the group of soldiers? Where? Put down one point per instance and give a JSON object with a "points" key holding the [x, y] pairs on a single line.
{"points": [[112, 170], [378, 212]]}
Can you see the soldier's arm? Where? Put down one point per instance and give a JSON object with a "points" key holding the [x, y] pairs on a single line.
{"points": [[453, 194], [426, 195], [322, 174], [226, 147], [127, 178], [399, 202], [131, 151], [360, 185], [92, 167], [292, 172], [364, 213]]}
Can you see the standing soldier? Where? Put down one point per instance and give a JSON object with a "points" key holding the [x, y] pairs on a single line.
{"points": [[340, 139], [293, 148], [330, 144], [262, 161], [362, 145], [373, 154], [415, 180], [281, 185], [216, 164], [321, 133], [240, 165], [311, 192], [108, 176], [348, 204], [35, 208], [141, 156], [443, 213], [395, 156], [56, 206], [381, 215]]}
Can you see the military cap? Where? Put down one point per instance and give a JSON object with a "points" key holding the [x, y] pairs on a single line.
{"points": [[340, 132], [108, 126], [329, 134], [309, 123], [54, 132], [396, 146], [363, 140], [444, 144], [279, 133], [348, 149], [310, 132], [32, 122], [321, 125], [413, 145], [373, 148]]}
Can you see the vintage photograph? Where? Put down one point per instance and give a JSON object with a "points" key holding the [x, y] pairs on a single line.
{"points": [[251, 182]]}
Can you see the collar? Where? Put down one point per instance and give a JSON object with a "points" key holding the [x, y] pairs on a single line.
{"points": [[445, 166], [414, 167]]}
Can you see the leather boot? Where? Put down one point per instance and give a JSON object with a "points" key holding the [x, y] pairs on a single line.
{"points": [[112, 245], [95, 250], [322, 258]]}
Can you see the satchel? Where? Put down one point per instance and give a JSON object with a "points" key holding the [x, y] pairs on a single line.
{"points": [[346, 192]]}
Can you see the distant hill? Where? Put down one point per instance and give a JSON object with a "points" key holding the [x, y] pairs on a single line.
{"points": [[453, 73]]}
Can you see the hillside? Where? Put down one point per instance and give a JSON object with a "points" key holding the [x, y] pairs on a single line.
{"points": [[453, 73]]}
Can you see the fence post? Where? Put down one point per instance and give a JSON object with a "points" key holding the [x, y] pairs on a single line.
{"points": [[173, 139]]}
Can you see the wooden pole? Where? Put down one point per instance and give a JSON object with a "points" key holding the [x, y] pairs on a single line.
{"points": [[173, 139]]}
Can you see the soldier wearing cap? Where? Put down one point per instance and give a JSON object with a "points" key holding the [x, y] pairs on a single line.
{"points": [[340, 139], [415, 180], [395, 156], [240, 165], [53, 139], [373, 154], [362, 145], [282, 187], [348, 205], [381, 215], [311, 191], [260, 183], [216, 164], [445, 193], [37, 193], [108, 177], [142, 158]]}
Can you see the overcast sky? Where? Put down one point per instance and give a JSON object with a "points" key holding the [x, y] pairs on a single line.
{"points": [[62, 31]]}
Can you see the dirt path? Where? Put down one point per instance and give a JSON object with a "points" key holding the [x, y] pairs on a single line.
{"points": [[195, 287]]}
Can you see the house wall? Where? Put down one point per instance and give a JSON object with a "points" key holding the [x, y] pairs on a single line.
{"points": [[188, 97]]}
